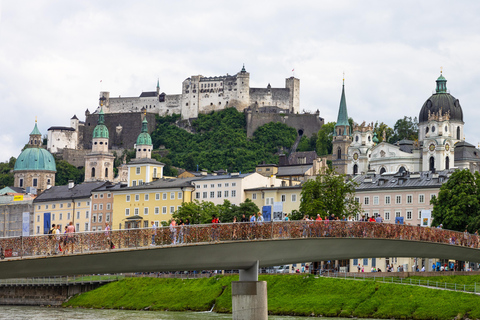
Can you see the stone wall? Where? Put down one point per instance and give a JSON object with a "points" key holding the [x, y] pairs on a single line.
{"points": [[306, 124], [123, 129]]}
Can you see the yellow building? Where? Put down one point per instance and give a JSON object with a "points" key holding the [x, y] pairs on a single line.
{"points": [[64, 204], [137, 206], [287, 198]]}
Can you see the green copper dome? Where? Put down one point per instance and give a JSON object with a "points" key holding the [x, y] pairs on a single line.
{"points": [[35, 159], [101, 130], [144, 138]]}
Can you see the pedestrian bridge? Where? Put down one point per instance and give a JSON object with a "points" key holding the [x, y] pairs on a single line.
{"points": [[229, 246]]}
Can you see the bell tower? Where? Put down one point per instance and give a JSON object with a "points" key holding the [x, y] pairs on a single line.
{"points": [[341, 137]]}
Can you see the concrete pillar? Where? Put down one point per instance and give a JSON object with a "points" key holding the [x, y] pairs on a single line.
{"points": [[249, 296]]}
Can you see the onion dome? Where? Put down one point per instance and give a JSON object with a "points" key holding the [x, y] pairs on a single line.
{"points": [[144, 138], [443, 100], [375, 139], [101, 130]]}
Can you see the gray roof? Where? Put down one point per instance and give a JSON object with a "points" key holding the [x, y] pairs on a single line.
{"points": [[159, 184], [83, 190], [223, 176], [294, 170], [12, 189], [298, 186], [405, 180], [148, 94], [61, 128], [466, 151], [406, 145], [144, 160]]}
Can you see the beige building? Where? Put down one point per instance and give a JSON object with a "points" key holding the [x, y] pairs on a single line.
{"points": [[287, 196], [64, 204]]}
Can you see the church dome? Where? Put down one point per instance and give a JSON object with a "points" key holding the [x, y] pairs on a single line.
{"points": [[35, 159], [144, 138], [101, 130], [443, 100]]}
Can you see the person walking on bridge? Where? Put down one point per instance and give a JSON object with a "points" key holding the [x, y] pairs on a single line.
{"points": [[70, 236], [154, 233]]}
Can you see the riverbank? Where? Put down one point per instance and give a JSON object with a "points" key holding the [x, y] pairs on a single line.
{"points": [[301, 295]]}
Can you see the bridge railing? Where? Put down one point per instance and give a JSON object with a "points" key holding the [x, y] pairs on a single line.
{"points": [[100, 241]]}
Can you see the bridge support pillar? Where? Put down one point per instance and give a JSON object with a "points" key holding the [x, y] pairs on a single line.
{"points": [[249, 296]]}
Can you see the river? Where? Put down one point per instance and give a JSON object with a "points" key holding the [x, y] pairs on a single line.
{"points": [[44, 313]]}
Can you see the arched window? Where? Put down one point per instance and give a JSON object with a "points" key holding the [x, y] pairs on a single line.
{"points": [[355, 169], [383, 170], [93, 172], [339, 153], [106, 172], [402, 169], [447, 163], [432, 163], [458, 133]]}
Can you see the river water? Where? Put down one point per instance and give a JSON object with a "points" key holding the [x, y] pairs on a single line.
{"points": [[44, 313]]}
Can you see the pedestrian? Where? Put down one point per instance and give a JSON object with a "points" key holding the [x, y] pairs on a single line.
{"points": [[71, 236], [154, 233], [51, 239], [173, 231], [57, 239]]}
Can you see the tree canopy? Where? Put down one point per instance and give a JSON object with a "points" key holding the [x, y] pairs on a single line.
{"points": [[457, 206], [329, 193], [405, 128], [324, 139]]}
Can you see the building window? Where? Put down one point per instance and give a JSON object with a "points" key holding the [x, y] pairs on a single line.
{"points": [[197, 195], [421, 198], [146, 197], [137, 197], [101, 196], [128, 198], [164, 196], [94, 207], [95, 196], [172, 209], [172, 195], [35, 182], [46, 206], [107, 217], [53, 206], [226, 184], [398, 214], [53, 216], [212, 185], [219, 185], [68, 216], [219, 194], [254, 196], [127, 211], [366, 201], [387, 199], [357, 199], [164, 210], [376, 200], [234, 184], [136, 211], [205, 186], [409, 199], [432, 195], [100, 218], [94, 218], [137, 170], [225, 193], [108, 206], [294, 197], [60, 216], [100, 206], [21, 183], [145, 210], [204, 194], [108, 195], [419, 214], [61, 205], [134, 183], [409, 215], [284, 197], [212, 194], [398, 199], [78, 215], [365, 261], [234, 193], [180, 195], [86, 215], [157, 196], [387, 215], [157, 210]]}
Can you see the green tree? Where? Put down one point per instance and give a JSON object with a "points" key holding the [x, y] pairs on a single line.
{"points": [[405, 128], [66, 172], [329, 193], [6, 173], [190, 211], [308, 144], [379, 128], [457, 206], [324, 139], [247, 208]]}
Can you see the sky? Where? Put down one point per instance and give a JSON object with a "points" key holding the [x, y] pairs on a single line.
{"points": [[56, 56]]}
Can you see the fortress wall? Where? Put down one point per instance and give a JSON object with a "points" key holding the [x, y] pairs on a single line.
{"points": [[308, 123]]}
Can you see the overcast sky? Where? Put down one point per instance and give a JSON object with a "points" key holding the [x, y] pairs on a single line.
{"points": [[53, 55]]}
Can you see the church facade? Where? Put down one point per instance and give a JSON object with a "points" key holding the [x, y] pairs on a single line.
{"points": [[440, 144]]}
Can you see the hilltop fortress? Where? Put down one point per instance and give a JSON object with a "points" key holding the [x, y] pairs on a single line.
{"points": [[123, 115], [205, 94]]}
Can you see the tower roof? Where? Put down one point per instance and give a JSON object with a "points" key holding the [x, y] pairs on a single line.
{"points": [[144, 138], [101, 130], [35, 130], [342, 119]]}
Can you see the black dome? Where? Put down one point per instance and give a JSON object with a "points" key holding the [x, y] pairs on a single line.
{"points": [[444, 101]]}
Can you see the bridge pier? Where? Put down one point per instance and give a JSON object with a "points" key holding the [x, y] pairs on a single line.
{"points": [[249, 296]]}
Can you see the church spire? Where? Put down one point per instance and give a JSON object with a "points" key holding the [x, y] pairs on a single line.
{"points": [[342, 127]]}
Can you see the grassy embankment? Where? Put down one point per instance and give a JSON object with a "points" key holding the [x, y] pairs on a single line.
{"points": [[287, 295]]}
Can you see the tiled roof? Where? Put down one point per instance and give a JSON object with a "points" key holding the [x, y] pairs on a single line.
{"points": [[295, 170], [405, 180], [82, 190]]}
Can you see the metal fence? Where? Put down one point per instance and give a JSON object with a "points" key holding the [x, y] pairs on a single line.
{"points": [[57, 281], [101, 241]]}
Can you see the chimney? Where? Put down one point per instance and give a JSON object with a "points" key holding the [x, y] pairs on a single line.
{"points": [[71, 184]]}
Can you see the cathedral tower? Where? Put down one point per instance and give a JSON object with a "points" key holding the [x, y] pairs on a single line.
{"points": [[341, 137]]}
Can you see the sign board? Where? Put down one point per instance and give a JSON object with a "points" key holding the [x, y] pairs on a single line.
{"points": [[267, 213], [277, 211], [426, 218], [18, 198], [26, 224]]}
